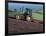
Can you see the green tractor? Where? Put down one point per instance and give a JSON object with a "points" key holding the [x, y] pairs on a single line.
{"points": [[27, 15]]}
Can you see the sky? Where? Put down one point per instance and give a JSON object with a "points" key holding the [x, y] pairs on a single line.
{"points": [[17, 6]]}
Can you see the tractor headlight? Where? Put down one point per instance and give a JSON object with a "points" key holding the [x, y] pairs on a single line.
{"points": [[28, 18], [17, 17]]}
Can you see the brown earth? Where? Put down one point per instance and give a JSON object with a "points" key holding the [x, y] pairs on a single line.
{"points": [[21, 26]]}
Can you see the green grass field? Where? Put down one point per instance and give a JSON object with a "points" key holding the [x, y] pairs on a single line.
{"points": [[12, 14], [34, 15], [37, 16]]}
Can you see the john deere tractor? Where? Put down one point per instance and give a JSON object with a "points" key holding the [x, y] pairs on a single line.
{"points": [[27, 15]]}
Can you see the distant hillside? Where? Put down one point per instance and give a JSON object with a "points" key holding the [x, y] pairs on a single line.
{"points": [[39, 11]]}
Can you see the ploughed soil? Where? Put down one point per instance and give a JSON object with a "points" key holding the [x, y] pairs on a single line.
{"points": [[21, 26]]}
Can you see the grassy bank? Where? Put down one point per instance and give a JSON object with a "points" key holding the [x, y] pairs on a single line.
{"points": [[37, 16]]}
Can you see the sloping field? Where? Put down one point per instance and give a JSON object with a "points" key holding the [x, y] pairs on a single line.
{"points": [[12, 13], [34, 15], [20, 26], [37, 16]]}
